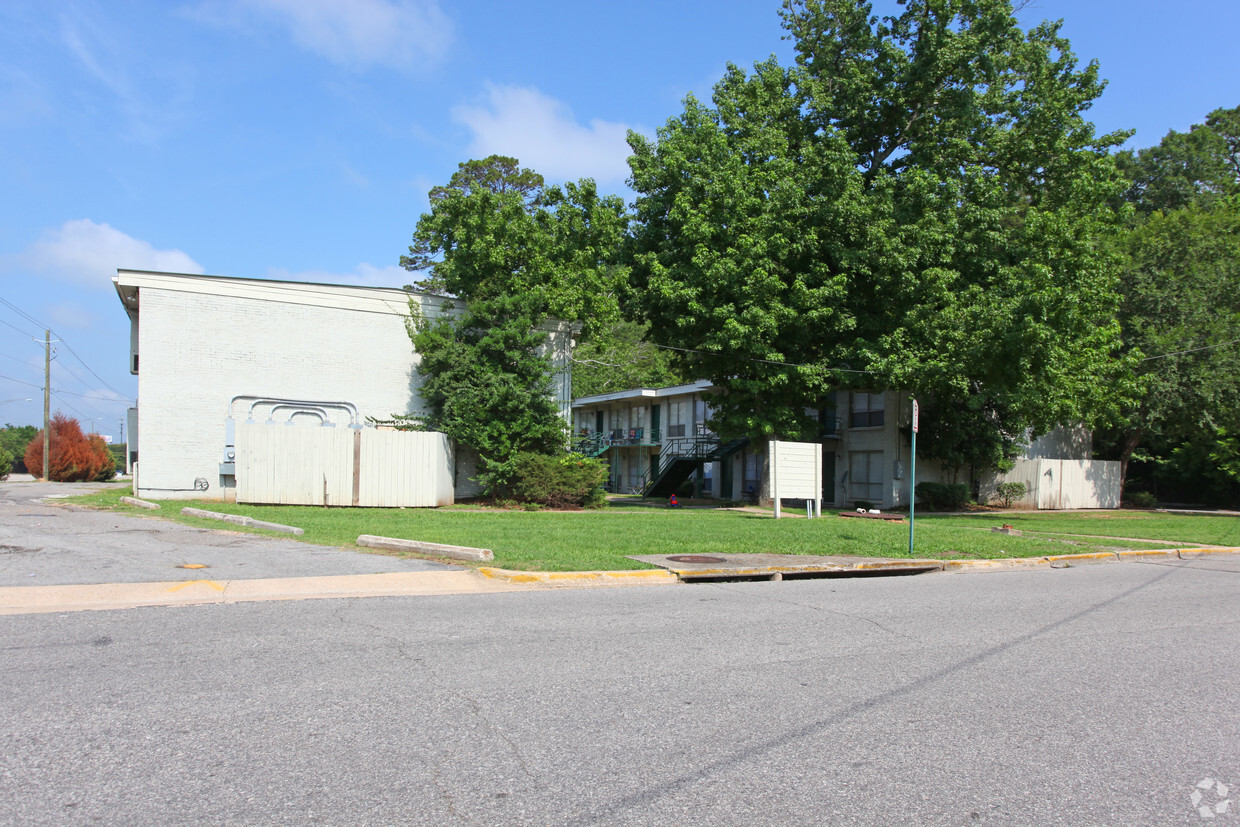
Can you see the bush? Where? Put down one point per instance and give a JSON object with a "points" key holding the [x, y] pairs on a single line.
{"points": [[1140, 499], [557, 481], [1007, 492], [6, 463], [943, 496], [75, 456], [14, 439]]}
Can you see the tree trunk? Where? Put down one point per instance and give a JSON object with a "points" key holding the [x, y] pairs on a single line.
{"points": [[1131, 440]]}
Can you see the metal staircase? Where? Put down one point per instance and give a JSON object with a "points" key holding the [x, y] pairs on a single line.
{"points": [[681, 456]]}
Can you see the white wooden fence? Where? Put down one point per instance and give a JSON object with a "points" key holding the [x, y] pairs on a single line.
{"points": [[1062, 483], [313, 465]]}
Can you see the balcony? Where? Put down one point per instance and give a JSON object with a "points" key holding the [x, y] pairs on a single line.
{"points": [[596, 444]]}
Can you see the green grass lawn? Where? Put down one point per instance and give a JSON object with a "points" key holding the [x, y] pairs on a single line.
{"points": [[583, 541]]}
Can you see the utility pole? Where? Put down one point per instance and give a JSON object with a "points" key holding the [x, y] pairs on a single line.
{"points": [[47, 401]]}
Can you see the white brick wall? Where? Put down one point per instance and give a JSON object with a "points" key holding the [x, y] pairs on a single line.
{"points": [[197, 351]]}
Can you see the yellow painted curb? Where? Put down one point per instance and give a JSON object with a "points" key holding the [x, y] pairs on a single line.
{"points": [[640, 577], [1058, 561], [1195, 553], [1012, 564], [1148, 554]]}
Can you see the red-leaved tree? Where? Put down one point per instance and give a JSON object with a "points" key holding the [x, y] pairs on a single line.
{"points": [[74, 456]]}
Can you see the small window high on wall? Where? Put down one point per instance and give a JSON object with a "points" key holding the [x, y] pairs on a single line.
{"points": [[866, 410]]}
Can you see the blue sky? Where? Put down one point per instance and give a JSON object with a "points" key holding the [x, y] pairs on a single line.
{"points": [[298, 138]]}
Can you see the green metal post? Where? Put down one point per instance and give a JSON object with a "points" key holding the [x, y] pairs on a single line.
{"points": [[912, 482]]}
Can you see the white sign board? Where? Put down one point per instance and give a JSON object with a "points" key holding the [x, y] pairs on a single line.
{"points": [[916, 415], [796, 473]]}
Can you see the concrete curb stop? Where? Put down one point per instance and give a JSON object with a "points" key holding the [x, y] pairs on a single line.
{"points": [[139, 503], [237, 519], [473, 555]]}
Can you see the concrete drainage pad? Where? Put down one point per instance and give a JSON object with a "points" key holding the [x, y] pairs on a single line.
{"points": [[701, 567]]}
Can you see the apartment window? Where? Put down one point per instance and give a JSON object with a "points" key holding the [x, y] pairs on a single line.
{"points": [[866, 410], [865, 476], [677, 416]]}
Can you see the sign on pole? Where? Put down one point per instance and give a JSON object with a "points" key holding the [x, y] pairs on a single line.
{"points": [[915, 415]]}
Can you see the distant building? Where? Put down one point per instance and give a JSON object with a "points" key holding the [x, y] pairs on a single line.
{"points": [[656, 439], [217, 356]]}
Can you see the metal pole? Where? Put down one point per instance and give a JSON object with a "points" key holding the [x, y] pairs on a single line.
{"points": [[912, 481], [47, 401]]}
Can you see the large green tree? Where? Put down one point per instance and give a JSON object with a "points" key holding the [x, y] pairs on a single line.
{"points": [[520, 255], [914, 204], [1181, 319], [497, 229], [621, 357], [1184, 168]]}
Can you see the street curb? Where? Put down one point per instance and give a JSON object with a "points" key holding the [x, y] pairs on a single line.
{"points": [[139, 503], [1144, 555], [1067, 561], [474, 555], [18, 600], [1206, 553], [636, 577], [1011, 563], [237, 519]]}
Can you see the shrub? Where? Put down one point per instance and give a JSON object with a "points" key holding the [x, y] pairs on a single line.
{"points": [[1140, 499], [943, 496], [6, 463], [75, 457], [557, 481], [1007, 492], [107, 459]]}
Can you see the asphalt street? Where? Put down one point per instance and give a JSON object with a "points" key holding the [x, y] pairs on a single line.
{"points": [[1096, 695], [44, 544]]}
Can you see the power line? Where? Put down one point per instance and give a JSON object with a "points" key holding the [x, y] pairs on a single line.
{"points": [[68, 347], [88, 367], [740, 358], [15, 327], [23, 314], [1191, 350], [20, 382], [70, 407]]}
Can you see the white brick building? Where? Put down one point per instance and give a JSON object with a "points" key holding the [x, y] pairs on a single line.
{"points": [[200, 342]]}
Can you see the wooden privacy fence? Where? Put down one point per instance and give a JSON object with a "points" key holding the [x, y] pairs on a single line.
{"points": [[315, 465], [1061, 483]]}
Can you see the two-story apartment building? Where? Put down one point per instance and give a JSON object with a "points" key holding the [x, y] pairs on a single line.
{"points": [[638, 431], [866, 456]]}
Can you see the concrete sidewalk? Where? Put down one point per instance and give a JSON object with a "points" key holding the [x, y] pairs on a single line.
{"points": [[78, 597]]}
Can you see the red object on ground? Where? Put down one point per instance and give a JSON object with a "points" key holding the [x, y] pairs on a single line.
{"points": [[673, 502]]}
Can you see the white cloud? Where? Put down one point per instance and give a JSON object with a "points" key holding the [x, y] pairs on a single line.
{"points": [[543, 134], [366, 275], [359, 33], [71, 315], [84, 252]]}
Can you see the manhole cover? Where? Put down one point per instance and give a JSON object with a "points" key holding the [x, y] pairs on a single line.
{"points": [[192, 566], [695, 558]]}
